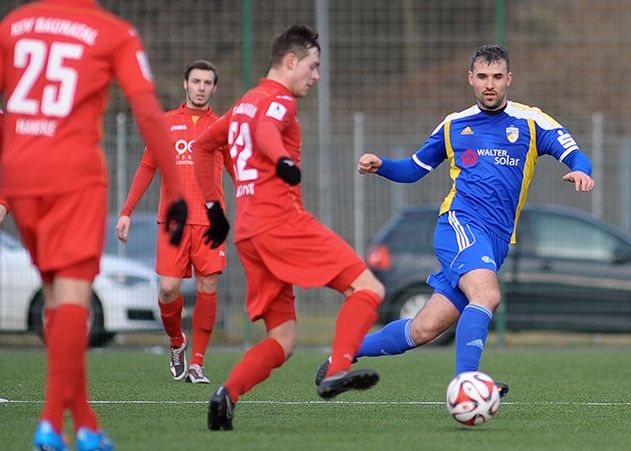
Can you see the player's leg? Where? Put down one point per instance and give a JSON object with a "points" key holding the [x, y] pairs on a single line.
{"points": [[172, 264], [208, 264], [171, 303], [470, 256], [357, 314], [270, 299], [399, 336], [255, 367], [204, 314], [482, 288], [64, 235], [71, 371]]}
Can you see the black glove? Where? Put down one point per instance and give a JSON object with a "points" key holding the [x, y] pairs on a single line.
{"points": [[176, 219], [219, 226], [287, 170]]}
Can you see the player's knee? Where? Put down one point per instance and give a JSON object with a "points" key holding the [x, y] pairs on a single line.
{"points": [[206, 284], [424, 331], [169, 292], [491, 301], [371, 283]]}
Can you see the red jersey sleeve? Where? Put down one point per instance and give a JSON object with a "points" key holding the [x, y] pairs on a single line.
{"points": [[133, 73], [279, 114], [153, 128], [131, 65], [142, 179], [213, 139]]}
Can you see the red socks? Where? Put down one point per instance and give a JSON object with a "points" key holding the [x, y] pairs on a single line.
{"points": [[66, 385], [356, 316], [171, 314], [204, 315], [256, 366]]}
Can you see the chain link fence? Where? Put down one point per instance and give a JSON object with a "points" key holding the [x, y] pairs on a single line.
{"points": [[402, 65]]}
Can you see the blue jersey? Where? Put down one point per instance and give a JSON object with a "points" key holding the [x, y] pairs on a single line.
{"points": [[492, 158]]}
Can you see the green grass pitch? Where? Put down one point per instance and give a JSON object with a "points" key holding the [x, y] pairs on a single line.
{"points": [[577, 399]]}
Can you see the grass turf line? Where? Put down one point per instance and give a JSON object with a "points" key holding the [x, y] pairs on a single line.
{"points": [[559, 400]]}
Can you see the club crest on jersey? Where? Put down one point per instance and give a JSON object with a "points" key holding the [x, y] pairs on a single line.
{"points": [[512, 133]]}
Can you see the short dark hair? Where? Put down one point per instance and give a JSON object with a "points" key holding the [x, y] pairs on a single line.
{"points": [[491, 53], [203, 65], [296, 39]]}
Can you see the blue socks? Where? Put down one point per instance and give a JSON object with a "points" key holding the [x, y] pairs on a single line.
{"points": [[393, 339], [471, 332]]}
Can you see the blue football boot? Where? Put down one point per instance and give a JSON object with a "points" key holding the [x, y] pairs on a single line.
{"points": [[89, 440], [46, 439]]}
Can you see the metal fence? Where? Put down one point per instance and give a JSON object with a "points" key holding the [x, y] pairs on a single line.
{"points": [[402, 65]]}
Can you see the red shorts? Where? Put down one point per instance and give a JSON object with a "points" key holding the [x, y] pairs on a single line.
{"points": [[176, 261], [300, 252], [64, 233]]}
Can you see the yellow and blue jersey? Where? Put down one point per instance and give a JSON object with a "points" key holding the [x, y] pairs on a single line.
{"points": [[492, 158]]}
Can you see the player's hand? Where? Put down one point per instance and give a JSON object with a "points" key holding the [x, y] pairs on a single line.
{"points": [[582, 181], [3, 212], [175, 221], [219, 226], [368, 163], [287, 170], [122, 228]]}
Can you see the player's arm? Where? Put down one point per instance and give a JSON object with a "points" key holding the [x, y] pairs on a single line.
{"points": [[411, 169], [142, 179], [132, 71], [269, 140], [153, 129], [561, 145], [213, 139]]}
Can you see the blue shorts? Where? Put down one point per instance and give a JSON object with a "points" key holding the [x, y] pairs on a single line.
{"points": [[461, 246]]}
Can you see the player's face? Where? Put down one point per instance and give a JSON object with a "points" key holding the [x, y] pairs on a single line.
{"points": [[490, 82], [304, 73], [199, 88]]}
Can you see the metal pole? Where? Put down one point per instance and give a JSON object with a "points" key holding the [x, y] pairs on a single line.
{"points": [[247, 84], [121, 168], [623, 176], [500, 313], [597, 161], [500, 22], [324, 114], [358, 183]]}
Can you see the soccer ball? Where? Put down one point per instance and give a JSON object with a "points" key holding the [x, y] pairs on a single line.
{"points": [[472, 398]]}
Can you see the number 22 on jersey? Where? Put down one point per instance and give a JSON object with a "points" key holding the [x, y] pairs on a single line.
{"points": [[240, 140]]}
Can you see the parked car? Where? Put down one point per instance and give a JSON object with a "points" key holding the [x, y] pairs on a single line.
{"points": [[568, 272], [123, 297], [141, 246]]}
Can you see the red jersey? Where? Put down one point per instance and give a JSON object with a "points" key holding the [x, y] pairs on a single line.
{"points": [[57, 60], [264, 200], [185, 125]]}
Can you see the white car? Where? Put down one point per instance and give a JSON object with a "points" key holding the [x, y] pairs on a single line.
{"points": [[124, 298]]}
